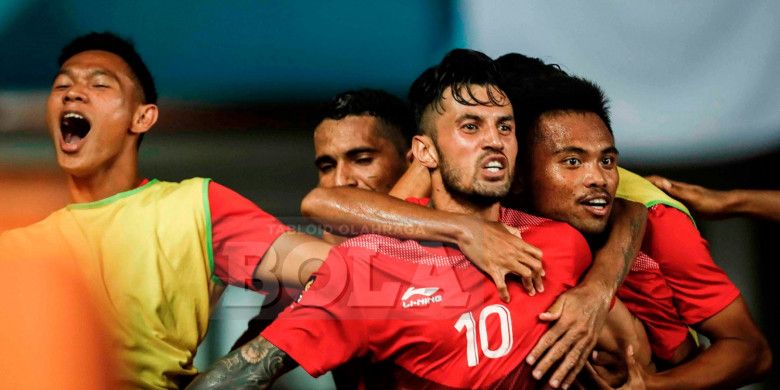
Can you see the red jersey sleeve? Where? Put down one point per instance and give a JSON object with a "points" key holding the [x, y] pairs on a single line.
{"points": [[321, 331], [241, 233], [701, 289]]}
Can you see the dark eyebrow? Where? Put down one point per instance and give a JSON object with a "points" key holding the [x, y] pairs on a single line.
{"points": [[352, 153], [506, 118], [611, 149], [469, 117], [570, 149]]}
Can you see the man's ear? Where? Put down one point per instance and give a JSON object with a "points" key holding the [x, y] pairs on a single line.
{"points": [[425, 151], [144, 118]]}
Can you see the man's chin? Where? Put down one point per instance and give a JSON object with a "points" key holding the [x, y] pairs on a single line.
{"points": [[590, 228]]}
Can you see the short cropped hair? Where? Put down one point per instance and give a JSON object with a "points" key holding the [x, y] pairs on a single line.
{"points": [[536, 88], [110, 42], [459, 70], [389, 109]]}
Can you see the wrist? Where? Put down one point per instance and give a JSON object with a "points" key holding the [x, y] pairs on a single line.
{"points": [[598, 288], [734, 201], [461, 230]]}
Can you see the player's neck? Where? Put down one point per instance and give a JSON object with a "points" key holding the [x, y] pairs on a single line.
{"points": [[104, 182], [441, 199]]}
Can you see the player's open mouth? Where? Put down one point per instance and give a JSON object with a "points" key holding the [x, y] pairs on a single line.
{"points": [[74, 127], [494, 166], [598, 205]]}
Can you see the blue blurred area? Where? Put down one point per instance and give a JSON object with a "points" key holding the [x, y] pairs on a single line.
{"points": [[277, 51]]}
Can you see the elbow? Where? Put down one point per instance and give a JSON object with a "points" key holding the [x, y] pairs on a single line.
{"points": [[763, 361], [311, 202]]}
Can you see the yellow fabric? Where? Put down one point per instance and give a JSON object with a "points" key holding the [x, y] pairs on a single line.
{"points": [[147, 255], [638, 189]]}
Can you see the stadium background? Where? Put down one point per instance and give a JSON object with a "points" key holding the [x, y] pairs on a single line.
{"points": [[693, 87]]}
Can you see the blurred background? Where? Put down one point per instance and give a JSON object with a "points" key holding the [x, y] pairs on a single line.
{"points": [[693, 89]]}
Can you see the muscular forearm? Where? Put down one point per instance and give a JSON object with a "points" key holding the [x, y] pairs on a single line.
{"points": [[726, 364], [256, 365], [613, 260], [739, 355], [764, 204], [351, 211]]}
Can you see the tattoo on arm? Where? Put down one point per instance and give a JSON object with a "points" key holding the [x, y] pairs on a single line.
{"points": [[256, 365], [629, 253]]}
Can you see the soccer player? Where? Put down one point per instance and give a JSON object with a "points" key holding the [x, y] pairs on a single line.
{"points": [[157, 254], [363, 140], [711, 203], [421, 308], [571, 175]]}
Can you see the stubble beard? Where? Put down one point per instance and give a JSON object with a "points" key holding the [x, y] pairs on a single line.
{"points": [[480, 193]]}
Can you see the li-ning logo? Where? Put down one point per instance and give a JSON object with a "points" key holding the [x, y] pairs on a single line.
{"points": [[426, 299]]}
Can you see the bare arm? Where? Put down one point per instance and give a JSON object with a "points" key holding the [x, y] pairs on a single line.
{"points": [[256, 365], [739, 354], [580, 312], [489, 245], [291, 260], [722, 204]]}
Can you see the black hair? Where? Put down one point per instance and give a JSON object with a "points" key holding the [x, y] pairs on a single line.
{"points": [[391, 110], [459, 70], [536, 88], [110, 42]]}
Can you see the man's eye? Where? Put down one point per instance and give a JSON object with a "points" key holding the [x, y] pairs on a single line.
{"points": [[608, 161], [101, 86], [505, 128], [325, 168], [364, 161], [571, 161], [60, 86], [470, 127]]}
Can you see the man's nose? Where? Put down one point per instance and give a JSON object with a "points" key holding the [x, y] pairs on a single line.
{"points": [[75, 93], [344, 177], [595, 177]]}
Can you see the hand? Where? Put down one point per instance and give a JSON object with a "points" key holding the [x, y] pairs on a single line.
{"points": [[580, 314], [706, 202], [636, 375], [498, 250]]}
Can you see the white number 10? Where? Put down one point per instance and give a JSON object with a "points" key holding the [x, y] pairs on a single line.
{"points": [[466, 321]]}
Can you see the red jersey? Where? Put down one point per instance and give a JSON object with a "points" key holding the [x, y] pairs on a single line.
{"points": [[424, 310], [674, 282]]}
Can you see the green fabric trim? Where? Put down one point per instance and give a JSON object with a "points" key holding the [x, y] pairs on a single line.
{"points": [[110, 199], [695, 336], [209, 238], [672, 205]]}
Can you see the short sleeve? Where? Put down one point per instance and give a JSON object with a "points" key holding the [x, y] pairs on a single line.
{"points": [[566, 252], [321, 331], [241, 234], [701, 289]]}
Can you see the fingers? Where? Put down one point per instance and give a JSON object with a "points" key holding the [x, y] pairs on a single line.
{"points": [[596, 379], [554, 312], [548, 340], [660, 182], [571, 365], [634, 370], [531, 279], [567, 382], [500, 280], [605, 359]]}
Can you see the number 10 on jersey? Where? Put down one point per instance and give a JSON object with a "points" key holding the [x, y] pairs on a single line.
{"points": [[466, 321]]}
